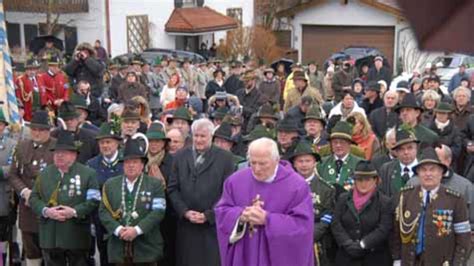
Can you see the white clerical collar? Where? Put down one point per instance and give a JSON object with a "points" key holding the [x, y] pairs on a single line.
{"points": [[410, 166], [309, 179], [112, 159], [343, 158], [271, 178]]}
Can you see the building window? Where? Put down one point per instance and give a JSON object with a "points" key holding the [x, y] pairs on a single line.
{"points": [[31, 32], [235, 13], [188, 3], [13, 34]]}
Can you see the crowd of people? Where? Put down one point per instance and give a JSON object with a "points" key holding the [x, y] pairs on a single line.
{"points": [[174, 162]]}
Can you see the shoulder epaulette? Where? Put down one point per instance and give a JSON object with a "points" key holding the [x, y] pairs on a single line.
{"points": [[453, 192], [407, 187]]}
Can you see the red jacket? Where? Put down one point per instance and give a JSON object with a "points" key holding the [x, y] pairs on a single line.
{"points": [[24, 90], [56, 87]]}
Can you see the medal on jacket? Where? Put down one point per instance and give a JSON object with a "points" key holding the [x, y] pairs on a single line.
{"points": [[134, 215], [78, 185]]}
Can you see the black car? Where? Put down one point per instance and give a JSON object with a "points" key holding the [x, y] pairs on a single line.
{"points": [[151, 54], [359, 54]]}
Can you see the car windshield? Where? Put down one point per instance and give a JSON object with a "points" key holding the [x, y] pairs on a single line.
{"points": [[448, 61]]}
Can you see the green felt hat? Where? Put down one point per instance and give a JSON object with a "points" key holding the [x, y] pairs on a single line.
{"points": [[260, 131], [181, 113], [342, 130], [444, 107], [156, 132], [404, 134], [65, 142], [364, 169], [106, 131], [40, 119], [79, 101], [224, 131], [68, 111], [303, 147], [429, 155], [314, 113]]}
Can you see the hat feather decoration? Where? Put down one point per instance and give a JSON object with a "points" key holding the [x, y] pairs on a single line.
{"points": [[406, 127], [116, 123], [145, 140]]}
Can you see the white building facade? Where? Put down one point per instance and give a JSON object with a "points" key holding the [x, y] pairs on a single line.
{"points": [[111, 15]]}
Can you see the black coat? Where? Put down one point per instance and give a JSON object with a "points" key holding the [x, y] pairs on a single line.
{"points": [[468, 136], [372, 225], [383, 74], [380, 121], [88, 144], [250, 102], [369, 107], [451, 137], [90, 69], [297, 115], [114, 87], [233, 83], [212, 87], [198, 189]]}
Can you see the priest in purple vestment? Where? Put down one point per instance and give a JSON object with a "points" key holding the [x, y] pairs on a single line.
{"points": [[265, 215]]}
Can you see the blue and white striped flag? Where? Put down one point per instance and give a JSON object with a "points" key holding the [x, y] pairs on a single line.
{"points": [[7, 88]]}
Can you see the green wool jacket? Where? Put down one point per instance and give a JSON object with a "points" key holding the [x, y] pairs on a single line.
{"points": [[327, 170], [77, 189], [151, 205]]}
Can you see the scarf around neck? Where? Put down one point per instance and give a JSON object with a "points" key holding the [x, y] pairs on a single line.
{"points": [[361, 199], [155, 159]]}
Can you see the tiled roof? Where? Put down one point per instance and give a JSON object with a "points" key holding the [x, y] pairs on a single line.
{"points": [[291, 7], [198, 19]]}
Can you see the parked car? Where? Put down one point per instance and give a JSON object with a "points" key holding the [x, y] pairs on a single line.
{"points": [[448, 65], [151, 54], [358, 55]]}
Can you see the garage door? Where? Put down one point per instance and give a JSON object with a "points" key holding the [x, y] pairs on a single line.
{"points": [[319, 42]]}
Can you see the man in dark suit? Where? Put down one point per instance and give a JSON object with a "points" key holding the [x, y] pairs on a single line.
{"points": [[194, 187], [396, 173], [384, 117]]}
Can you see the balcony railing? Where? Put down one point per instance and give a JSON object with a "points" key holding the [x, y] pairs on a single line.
{"points": [[41, 6]]}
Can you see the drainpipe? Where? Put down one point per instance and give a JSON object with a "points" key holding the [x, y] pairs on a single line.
{"points": [[107, 25]]}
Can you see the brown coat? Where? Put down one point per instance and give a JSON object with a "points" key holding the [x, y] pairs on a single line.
{"points": [[440, 245], [26, 165], [127, 91], [294, 96]]}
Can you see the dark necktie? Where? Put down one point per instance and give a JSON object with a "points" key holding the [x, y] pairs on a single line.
{"points": [[406, 174], [421, 229], [339, 164]]}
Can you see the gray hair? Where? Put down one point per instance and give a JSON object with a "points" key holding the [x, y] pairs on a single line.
{"points": [[462, 89], [203, 124], [447, 153], [391, 92], [430, 95], [390, 132], [265, 143]]}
